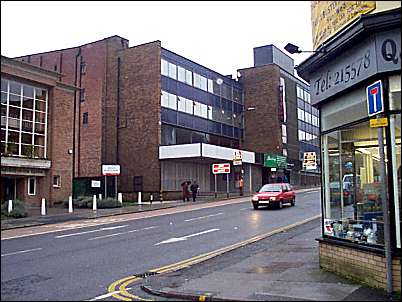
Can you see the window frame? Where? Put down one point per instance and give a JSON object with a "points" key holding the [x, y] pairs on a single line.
{"points": [[29, 186]]}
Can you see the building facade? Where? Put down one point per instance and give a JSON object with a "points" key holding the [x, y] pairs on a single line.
{"points": [[166, 119], [36, 133], [356, 80]]}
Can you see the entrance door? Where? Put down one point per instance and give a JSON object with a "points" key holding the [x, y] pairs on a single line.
{"points": [[9, 188]]}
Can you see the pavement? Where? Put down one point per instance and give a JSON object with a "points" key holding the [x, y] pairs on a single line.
{"points": [[282, 267]]}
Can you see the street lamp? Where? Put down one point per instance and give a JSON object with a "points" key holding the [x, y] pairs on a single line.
{"points": [[292, 49]]}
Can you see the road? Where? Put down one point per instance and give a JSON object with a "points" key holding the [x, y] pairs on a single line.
{"points": [[81, 263]]}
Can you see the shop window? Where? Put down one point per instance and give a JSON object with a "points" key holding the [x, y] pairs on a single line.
{"points": [[352, 199], [56, 181], [31, 186], [395, 129]]}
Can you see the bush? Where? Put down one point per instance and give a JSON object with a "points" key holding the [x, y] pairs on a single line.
{"points": [[86, 202], [18, 209], [108, 203]]}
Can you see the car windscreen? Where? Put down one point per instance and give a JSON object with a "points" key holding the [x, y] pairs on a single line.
{"points": [[271, 188]]}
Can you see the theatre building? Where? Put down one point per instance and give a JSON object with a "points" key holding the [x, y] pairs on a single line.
{"points": [[36, 133], [355, 79]]}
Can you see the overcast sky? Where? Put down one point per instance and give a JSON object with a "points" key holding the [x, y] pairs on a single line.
{"points": [[218, 35]]}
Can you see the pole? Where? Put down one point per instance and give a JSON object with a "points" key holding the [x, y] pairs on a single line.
{"points": [[105, 186], [10, 206], [139, 198], [385, 208], [216, 187], [115, 188], [43, 208], [94, 207], [70, 204], [227, 185]]}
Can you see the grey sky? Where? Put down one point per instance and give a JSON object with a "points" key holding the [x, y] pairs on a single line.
{"points": [[218, 35]]}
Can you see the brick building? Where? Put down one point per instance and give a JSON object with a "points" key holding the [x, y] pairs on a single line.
{"points": [[165, 119], [36, 133]]}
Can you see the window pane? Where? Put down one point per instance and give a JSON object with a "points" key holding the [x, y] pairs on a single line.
{"points": [[40, 140], [181, 104], [3, 97], [13, 136], [40, 94], [26, 138], [15, 88], [164, 67], [173, 71], [27, 126], [27, 115], [189, 106], [203, 83], [15, 100], [40, 117], [40, 106], [39, 128], [165, 99], [28, 91], [197, 80], [4, 85], [31, 186], [172, 101], [14, 112], [181, 74], [189, 77], [27, 102], [210, 86]]}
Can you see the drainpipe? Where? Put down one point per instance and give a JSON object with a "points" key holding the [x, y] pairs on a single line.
{"points": [[74, 119]]}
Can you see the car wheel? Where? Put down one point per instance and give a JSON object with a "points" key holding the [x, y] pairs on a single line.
{"points": [[293, 202], [280, 204], [255, 206]]}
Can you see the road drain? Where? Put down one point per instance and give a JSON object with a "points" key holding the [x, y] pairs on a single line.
{"points": [[146, 275]]}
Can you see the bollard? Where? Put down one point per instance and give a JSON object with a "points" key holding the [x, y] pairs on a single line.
{"points": [[94, 203], [161, 196], [43, 208], [100, 196], [10, 206], [139, 198], [151, 198], [120, 197], [70, 204]]}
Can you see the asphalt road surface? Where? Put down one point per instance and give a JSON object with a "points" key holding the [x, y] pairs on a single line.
{"points": [[81, 263]]}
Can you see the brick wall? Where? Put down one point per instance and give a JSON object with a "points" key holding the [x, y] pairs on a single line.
{"points": [[262, 126], [139, 129], [363, 266]]}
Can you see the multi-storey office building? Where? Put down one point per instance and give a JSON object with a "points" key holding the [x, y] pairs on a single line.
{"points": [[165, 119], [36, 133]]}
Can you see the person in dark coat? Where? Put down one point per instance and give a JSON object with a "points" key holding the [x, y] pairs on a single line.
{"points": [[185, 192], [194, 189]]}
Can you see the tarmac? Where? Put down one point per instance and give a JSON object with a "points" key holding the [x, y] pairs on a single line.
{"points": [[282, 267]]}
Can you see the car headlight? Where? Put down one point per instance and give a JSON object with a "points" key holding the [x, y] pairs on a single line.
{"points": [[255, 198], [272, 198]]}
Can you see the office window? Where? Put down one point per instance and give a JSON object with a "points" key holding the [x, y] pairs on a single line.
{"points": [[164, 68], [31, 186], [85, 118], [210, 86], [284, 134], [164, 99], [172, 101], [181, 75], [299, 92], [197, 80], [300, 114], [82, 95], [307, 117], [189, 77], [181, 104], [57, 181], [172, 71], [210, 112], [203, 83], [83, 67], [302, 135], [307, 97]]}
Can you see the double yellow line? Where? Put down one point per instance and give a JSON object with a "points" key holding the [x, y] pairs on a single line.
{"points": [[124, 295]]}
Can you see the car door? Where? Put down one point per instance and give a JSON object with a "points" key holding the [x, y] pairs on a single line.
{"points": [[292, 193], [286, 192]]}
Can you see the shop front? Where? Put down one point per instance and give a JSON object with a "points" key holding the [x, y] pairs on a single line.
{"points": [[361, 149]]}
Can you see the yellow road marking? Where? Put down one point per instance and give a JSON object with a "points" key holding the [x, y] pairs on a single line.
{"points": [[124, 291], [112, 288]]}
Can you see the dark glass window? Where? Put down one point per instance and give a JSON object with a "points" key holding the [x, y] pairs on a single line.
{"points": [[85, 118], [82, 94], [83, 67], [183, 136], [168, 135]]}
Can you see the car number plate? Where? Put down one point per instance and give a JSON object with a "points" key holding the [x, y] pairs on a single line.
{"points": [[264, 201]]}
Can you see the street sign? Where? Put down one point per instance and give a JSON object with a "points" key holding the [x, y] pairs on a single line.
{"points": [[379, 122], [237, 158], [95, 184], [375, 102], [110, 170], [310, 161], [220, 168]]}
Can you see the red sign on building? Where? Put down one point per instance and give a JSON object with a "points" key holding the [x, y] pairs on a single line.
{"points": [[220, 168]]}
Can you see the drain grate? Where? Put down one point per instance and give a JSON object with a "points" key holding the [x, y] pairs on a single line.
{"points": [[145, 275], [275, 267]]}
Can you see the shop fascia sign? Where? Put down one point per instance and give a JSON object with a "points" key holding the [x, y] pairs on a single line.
{"points": [[378, 53], [310, 160], [221, 168], [110, 170], [274, 161]]}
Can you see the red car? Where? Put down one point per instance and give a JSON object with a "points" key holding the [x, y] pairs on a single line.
{"points": [[276, 194]]}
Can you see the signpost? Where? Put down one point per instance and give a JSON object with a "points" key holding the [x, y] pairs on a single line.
{"points": [[110, 170], [375, 106], [221, 169]]}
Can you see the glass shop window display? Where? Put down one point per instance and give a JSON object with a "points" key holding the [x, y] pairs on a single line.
{"points": [[353, 205]]}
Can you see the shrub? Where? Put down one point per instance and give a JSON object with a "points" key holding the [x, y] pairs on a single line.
{"points": [[108, 203], [18, 209]]}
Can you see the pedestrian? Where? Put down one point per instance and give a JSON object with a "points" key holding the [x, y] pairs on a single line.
{"points": [[241, 184], [194, 189], [185, 192]]}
